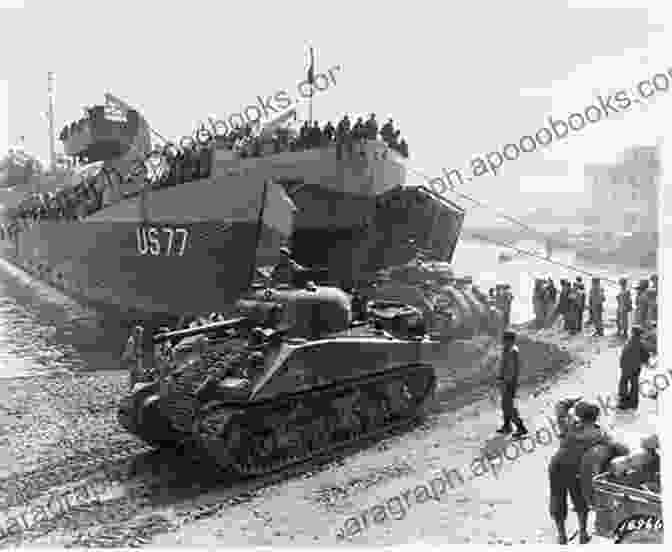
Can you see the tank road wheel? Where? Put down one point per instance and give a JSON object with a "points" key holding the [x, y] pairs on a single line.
{"points": [[258, 453], [317, 436], [358, 418], [380, 409]]}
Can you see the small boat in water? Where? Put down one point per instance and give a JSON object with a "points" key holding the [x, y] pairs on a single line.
{"points": [[504, 257]]}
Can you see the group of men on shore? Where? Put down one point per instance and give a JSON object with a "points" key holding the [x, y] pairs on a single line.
{"points": [[571, 301], [579, 430]]}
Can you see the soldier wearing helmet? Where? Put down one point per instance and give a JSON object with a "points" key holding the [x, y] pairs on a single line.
{"points": [[623, 308], [132, 356]]}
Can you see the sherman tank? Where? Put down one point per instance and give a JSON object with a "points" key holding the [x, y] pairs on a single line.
{"points": [[292, 377], [452, 308]]}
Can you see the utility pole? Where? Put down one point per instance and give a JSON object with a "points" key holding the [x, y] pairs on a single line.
{"points": [[50, 115]]}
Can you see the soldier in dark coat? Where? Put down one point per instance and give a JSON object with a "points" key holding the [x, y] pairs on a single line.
{"points": [[573, 309], [634, 354], [563, 303], [371, 127], [578, 433], [508, 377], [581, 307], [623, 309], [387, 132], [596, 304], [329, 132]]}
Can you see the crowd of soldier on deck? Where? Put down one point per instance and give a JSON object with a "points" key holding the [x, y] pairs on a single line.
{"points": [[67, 204], [344, 135], [571, 301]]}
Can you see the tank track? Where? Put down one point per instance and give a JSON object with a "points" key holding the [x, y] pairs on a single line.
{"points": [[287, 430]]}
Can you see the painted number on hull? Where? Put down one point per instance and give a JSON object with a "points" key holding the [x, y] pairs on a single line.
{"points": [[162, 240]]}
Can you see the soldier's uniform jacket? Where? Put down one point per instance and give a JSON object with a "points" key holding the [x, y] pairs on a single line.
{"points": [[624, 301], [576, 438], [634, 354], [133, 359], [509, 365], [597, 298]]}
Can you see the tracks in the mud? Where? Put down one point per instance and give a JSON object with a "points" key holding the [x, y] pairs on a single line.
{"points": [[135, 486]]}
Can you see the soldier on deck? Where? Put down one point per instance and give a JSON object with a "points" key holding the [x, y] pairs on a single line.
{"points": [[371, 127], [387, 132]]}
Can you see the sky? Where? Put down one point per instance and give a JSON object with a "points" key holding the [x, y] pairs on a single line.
{"points": [[459, 79]]}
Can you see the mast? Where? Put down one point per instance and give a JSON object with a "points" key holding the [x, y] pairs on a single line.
{"points": [[50, 116], [260, 226]]}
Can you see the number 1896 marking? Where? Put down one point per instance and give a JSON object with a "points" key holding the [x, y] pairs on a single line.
{"points": [[162, 241]]}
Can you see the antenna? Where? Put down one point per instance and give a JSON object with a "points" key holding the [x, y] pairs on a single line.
{"points": [[50, 115]]}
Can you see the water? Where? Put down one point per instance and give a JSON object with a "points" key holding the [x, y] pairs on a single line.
{"points": [[44, 331], [480, 260]]}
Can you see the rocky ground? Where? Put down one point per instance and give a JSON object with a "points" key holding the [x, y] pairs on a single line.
{"points": [[59, 432]]}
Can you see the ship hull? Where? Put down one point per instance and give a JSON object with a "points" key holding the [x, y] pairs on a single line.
{"points": [[133, 267], [184, 250]]}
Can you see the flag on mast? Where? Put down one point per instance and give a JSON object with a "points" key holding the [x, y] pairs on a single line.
{"points": [[311, 69]]}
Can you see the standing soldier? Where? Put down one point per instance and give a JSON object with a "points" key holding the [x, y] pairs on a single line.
{"points": [[596, 304], [509, 372], [623, 309], [563, 303], [652, 302], [508, 300], [132, 356], [641, 304], [163, 356], [634, 354], [573, 306], [581, 307], [538, 302]]}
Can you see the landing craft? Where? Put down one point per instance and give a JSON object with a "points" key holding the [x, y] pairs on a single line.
{"points": [[123, 236]]}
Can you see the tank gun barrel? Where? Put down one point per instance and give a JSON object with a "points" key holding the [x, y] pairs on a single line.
{"points": [[188, 332]]}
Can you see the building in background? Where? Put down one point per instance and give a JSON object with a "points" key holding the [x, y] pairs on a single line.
{"points": [[624, 197], [625, 194]]}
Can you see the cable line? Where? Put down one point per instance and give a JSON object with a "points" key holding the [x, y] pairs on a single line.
{"points": [[548, 260], [522, 225], [484, 205]]}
